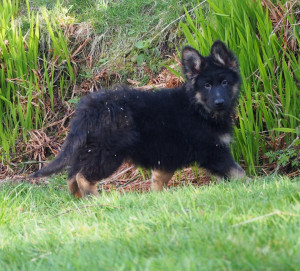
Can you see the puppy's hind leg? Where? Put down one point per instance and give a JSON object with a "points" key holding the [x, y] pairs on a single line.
{"points": [[93, 170], [86, 187], [160, 179], [73, 187]]}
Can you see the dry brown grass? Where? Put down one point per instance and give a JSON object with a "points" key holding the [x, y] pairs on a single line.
{"points": [[279, 14]]}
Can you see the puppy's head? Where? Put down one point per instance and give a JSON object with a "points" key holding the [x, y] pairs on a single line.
{"points": [[213, 81]]}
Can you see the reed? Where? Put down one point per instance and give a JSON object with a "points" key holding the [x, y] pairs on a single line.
{"points": [[28, 73]]}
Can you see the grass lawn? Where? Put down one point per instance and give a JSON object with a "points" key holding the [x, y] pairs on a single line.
{"points": [[225, 226]]}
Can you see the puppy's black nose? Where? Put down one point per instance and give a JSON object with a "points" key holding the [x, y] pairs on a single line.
{"points": [[219, 102]]}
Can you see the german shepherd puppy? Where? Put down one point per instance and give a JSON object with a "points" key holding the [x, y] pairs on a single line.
{"points": [[163, 130]]}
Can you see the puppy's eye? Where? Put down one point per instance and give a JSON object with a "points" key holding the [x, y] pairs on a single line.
{"points": [[207, 86], [224, 83]]}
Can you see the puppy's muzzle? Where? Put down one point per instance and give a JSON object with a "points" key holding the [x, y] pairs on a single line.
{"points": [[219, 103]]}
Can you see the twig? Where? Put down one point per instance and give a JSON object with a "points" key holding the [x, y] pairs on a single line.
{"points": [[113, 178], [276, 212], [177, 19], [127, 183], [278, 24], [59, 121], [83, 207], [297, 138], [33, 162], [81, 46], [41, 256]]}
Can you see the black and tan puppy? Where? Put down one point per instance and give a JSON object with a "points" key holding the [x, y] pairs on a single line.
{"points": [[162, 131]]}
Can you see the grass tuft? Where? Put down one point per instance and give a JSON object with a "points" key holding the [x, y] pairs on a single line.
{"points": [[28, 74]]}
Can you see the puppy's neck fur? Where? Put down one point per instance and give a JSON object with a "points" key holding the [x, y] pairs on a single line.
{"points": [[223, 118]]}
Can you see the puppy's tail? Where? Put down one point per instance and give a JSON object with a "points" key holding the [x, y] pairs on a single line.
{"points": [[71, 143]]}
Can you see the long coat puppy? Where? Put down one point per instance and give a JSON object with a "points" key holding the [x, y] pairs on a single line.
{"points": [[163, 130]]}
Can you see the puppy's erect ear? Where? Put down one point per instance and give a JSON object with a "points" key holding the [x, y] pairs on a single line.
{"points": [[223, 56], [191, 62]]}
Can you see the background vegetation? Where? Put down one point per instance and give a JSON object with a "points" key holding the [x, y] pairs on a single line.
{"points": [[50, 56]]}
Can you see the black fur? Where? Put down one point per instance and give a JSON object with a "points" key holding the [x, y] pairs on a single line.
{"points": [[166, 130]]}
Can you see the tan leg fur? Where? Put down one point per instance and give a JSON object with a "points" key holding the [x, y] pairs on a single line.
{"points": [[160, 179], [73, 188], [236, 173], [86, 188]]}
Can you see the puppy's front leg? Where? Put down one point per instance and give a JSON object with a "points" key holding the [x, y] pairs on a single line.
{"points": [[224, 166], [160, 179], [236, 172]]}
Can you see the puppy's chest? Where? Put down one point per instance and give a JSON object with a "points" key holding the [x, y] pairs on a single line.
{"points": [[223, 139], [209, 138]]}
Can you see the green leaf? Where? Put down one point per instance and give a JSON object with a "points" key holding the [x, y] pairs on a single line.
{"points": [[140, 59]]}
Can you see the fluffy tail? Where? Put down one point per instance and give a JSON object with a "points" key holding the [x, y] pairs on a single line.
{"points": [[77, 138], [71, 143]]}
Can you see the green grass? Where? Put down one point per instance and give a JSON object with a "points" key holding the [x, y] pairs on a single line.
{"points": [[29, 73], [126, 34], [231, 226], [130, 18]]}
